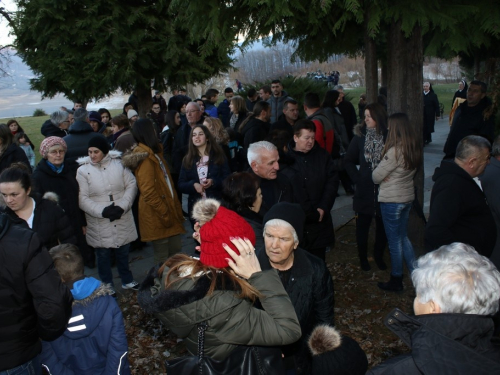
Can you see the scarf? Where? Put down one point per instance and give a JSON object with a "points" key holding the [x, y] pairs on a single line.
{"points": [[374, 145], [54, 168]]}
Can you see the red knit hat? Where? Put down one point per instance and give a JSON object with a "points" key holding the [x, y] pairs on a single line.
{"points": [[218, 225]]}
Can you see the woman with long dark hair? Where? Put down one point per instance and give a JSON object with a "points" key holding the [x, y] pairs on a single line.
{"points": [[366, 150], [203, 168], [401, 157], [9, 151], [241, 193], [160, 213]]}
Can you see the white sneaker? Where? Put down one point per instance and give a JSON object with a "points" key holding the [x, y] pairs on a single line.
{"points": [[134, 285]]}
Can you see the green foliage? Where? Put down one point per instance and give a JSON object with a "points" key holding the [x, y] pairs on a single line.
{"points": [[89, 49], [39, 112]]}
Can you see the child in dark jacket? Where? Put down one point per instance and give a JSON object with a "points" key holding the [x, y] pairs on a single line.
{"points": [[95, 341]]}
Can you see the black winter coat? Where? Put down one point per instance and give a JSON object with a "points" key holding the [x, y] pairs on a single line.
{"points": [[50, 223], [63, 184], [13, 154], [255, 130], [459, 211], [34, 304], [224, 112], [349, 114], [188, 177], [314, 177], [458, 344], [80, 133], [365, 197], [255, 221], [274, 191], [310, 287], [50, 130], [469, 121], [282, 125], [431, 110]]}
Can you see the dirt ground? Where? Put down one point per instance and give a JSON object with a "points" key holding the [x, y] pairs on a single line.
{"points": [[360, 307]]}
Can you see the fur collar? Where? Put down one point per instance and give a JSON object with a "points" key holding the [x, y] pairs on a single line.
{"points": [[133, 159], [154, 299], [113, 154], [101, 291]]}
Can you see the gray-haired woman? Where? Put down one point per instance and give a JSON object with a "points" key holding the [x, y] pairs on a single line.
{"points": [[304, 276], [57, 125], [457, 293]]}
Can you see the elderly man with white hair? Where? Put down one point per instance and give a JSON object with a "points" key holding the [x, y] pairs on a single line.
{"points": [[263, 160], [458, 291]]}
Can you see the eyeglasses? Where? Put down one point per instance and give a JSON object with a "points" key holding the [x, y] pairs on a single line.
{"points": [[57, 152]]}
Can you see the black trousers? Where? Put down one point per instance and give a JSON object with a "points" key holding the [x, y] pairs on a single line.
{"points": [[363, 222]]}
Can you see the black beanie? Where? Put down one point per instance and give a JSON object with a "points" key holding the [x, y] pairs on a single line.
{"points": [[100, 143], [291, 213]]}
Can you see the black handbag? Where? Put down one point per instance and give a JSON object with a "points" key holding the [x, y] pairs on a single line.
{"points": [[244, 360]]}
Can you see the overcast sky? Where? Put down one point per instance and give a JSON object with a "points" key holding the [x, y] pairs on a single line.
{"points": [[4, 26]]}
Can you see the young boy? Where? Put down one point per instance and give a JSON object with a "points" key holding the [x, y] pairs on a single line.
{"points": [[95, 341]]}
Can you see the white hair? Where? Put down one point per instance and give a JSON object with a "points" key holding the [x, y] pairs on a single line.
{"points": [[458, 279], [253, 153], [282, 224]]}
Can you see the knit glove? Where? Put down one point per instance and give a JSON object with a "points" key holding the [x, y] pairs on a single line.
{"points": [[107, 211], [116, 213]]}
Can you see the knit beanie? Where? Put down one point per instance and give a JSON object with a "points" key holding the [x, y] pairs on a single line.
{"points": [[218, 224], [100, 143], [95, 116], [292, 213], [335, 354], [49, 142], [131, 113]]}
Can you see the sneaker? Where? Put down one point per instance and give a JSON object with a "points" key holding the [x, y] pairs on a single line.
{"points": [[112, 290], [134, 285]]}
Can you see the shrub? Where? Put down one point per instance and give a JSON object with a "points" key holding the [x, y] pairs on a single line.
{"points": [[39, 112]]}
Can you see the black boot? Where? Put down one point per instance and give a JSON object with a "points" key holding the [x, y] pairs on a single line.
{"points": [[363, 261], [395, 284]]}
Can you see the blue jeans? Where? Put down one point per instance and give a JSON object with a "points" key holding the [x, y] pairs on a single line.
{"points": [[32, 367], [103, 258], [395, 217]]}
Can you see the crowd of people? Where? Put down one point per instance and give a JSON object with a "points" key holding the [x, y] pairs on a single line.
{"points": [[260, 182]]}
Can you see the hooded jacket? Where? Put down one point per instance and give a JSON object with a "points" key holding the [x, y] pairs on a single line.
{"points": [[80, 133], [469, 121], [310, 287], [95, 341], [459, 211], [160, 212], [459, 344], [34, 303], [254, 130], [102, 184], [231, 320]]}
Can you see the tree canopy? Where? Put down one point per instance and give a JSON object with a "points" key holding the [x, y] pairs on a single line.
{"points": [[88, 49]]}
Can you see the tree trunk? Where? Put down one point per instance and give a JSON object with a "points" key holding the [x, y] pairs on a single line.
{"points": [[383, 73], [144, 95], [414, 71], [371, 71], [397, 88]]}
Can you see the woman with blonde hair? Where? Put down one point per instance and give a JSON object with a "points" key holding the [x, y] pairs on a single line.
{"points": [[401, 158], [217, 129]]}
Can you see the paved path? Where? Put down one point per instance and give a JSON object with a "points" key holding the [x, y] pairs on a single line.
{"points": [[142, 261]]}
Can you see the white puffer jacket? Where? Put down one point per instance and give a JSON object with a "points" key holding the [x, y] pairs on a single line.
{"points": [[101, 184], [396, 182]]}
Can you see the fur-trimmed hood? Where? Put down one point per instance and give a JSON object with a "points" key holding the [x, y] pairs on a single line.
{"points": [[111, 155], [133, 159], [324, 339], [101, 291], [154, 299], [359, 130]]}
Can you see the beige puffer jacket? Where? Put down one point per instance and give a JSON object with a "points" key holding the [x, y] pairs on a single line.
{"points": [[398, 188], [101, 184]]}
